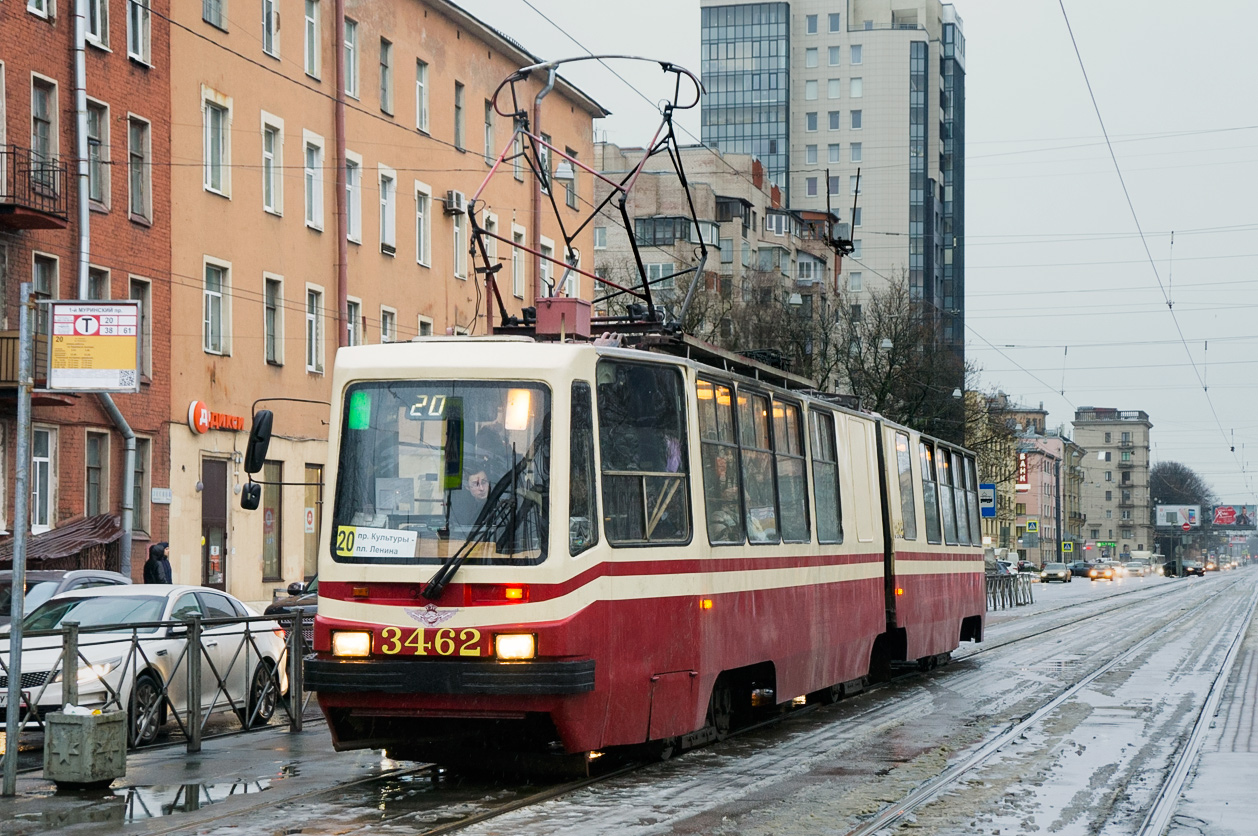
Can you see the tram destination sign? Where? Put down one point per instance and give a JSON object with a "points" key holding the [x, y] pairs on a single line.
{"points": [[94, 346]]}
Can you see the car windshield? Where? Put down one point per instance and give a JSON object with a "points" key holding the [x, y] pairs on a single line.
{"points": [[100, 611], [36, 593], [1054, 567], [421, 460]]}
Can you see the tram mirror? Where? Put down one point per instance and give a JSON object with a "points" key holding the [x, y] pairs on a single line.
{"points": [[251, 496], [259, 441]]}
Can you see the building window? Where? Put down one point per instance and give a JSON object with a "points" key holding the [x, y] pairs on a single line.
{"points": [[517, 158], [96, 457], [853, 182], [213, 339], [1126, 437], [270, 28], [98, 22], [212, 13], [1107, 438], [273, 320], [139, 174], [810, 91], [832, 184], [421, 96], [834, 56], [43, 478], [517, 262], [854, 153], [834, 88], [810, 121], [140, 485], [856, 88], [386, 76], [272, 521], [1109, 476], [44, 134], [810, 23], [856, 120], [98, 153], [97, 284], [217, 147], [548, 252], [46, 280], [490, 156], [314, 182], [458, 115], [571, 185], [423, 234], [351, 58], [854, 55], [141, 291], [460, 246], [388, 213], [835, 119], [42, 8], [354, 200], [855, 282], [834, 22], [388, 325], [312, 38], [425, 326], [810, 57], [139, 24], [835, 152], [810, 155], [856, 210], [272, 165], [353, 322], [314, 331], [810, 186], [600, 237], [856, 248]]}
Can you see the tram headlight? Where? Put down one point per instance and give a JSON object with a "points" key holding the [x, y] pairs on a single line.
{"points": [[351, 643], [515, 646]]}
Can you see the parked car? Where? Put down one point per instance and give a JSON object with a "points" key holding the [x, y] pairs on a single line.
{"points": [[1080, 568], [42, 584], [1056, 572], [1102, 572], [302, 597], [142, 665]]}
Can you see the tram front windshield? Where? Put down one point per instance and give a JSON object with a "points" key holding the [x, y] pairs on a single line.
{"points": [[429, 468]]}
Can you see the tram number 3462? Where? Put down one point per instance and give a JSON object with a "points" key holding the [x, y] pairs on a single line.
{"points": [[447, 641]]}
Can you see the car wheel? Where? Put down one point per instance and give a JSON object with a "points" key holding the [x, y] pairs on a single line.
{"points": [[263, 696], [144, 715]]}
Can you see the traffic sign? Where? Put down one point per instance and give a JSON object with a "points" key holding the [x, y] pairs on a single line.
{"points": [[1186, 527], [987, 499], [1033, 526], [1067, 546]]}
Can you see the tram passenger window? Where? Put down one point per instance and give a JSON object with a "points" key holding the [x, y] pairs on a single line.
{"points": [[642, 439], [757, 462], [582, 499], [971, 493], [930, 499], [959, 497], [825, 479], [722, 488], [908, 508], [788, 447], [947, 508]]}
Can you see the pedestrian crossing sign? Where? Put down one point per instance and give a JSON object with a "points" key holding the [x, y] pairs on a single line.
{"points": [[1067, 547], [1032, 526]]}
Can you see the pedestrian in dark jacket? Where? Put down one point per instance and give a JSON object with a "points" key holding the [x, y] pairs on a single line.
{"points": [[157, 567]]}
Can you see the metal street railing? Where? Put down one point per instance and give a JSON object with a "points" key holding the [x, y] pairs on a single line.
{"points": [[1013, 590]]}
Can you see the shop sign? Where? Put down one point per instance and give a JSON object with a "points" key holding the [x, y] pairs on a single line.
{"points": [[201, 419], [1024, 479]]}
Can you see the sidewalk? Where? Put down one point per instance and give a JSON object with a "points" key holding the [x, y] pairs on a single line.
{"points": [[168, 789]]}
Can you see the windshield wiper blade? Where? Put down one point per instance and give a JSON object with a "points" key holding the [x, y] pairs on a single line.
{"points": [[486, 521]]}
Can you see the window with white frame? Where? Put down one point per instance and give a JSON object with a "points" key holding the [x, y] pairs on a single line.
{"points": [[312, 38], [855, 54], [96, 481], [810, 154], [97, 284], [834, 88], [835, 152], [853, 182], [388, 325], [271, 28], [388, 211], [354, 197], [272, 164], [460, 246], [141, 486], [856, 216], [660, 275], [351, 58], [98, 22], [810, 57], [517, 261], [810, 122], [834, 19], [600, 237], [314, 330], [273, 320], [490, 222], [854, 152], [425, 326], [46, 281], [459, 115], [810, 90], [810, 23], [857, 120], [836, 117], [490, 152], [43, 484], [98, 153], [139, 171], [833, 185], [216, 119], [314, 179], [423, 224], [42, 8], [548, 268], [139, 25], [856, 88], [834, 56], [214, 319], [386, 76], [44, 133], [543, 157], [517, 158], [214, 13], [570, 185], [810, 186], [857, 249], [421, 95], [142, 291], [353, 322]]}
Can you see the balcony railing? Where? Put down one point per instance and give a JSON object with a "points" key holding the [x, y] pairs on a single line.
{"points": [[8, 360], [32, 190]]}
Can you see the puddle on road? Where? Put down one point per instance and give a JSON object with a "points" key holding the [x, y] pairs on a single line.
{"points": [[126, 805], [1062, 666]]}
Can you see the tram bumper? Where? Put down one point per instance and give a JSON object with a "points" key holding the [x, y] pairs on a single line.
{"points": [[432, 676]]}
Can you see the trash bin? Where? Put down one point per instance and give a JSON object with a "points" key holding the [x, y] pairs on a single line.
{"points": [[85, 749]]}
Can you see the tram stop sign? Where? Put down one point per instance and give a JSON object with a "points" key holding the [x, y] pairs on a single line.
{"points": [[93, 346]]}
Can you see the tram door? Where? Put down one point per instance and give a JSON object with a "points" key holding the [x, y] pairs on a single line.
{"points": [[214, 523]]}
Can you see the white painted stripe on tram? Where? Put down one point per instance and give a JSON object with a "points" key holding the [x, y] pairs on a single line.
{"points": [[938, 567], [611, 588]]}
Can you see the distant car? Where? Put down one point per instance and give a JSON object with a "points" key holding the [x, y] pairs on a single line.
{"points": [[151, 678], [1194, 567], [1080, 568], [1212, 565], [1102, 572], [42, 584], [303, 598], [1056, 572], [1138, 566]]}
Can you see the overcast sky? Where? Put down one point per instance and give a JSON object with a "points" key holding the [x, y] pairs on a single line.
{"points": [[1065, 304]]}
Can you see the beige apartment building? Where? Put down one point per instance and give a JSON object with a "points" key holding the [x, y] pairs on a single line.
{"points": [[1115, 494], [320, 171]]}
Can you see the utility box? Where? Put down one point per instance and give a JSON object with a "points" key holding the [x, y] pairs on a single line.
{"points": [[563, 316], [85, 749]]}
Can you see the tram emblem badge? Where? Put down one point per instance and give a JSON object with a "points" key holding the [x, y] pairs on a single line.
{"points": [[430, 615]]}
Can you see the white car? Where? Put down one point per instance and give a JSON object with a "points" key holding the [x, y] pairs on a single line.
{"points": [[142, 665]]}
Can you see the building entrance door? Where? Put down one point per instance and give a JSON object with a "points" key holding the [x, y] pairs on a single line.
{"points": [[214, 523]]}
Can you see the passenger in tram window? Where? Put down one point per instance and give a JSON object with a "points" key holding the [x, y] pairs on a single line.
{"points": [[466, 503], [721, 490]]}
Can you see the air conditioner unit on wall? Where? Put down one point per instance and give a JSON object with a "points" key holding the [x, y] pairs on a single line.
{"points": [[456, 202]]}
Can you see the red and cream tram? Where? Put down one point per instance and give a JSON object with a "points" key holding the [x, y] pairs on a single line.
{"points": [[537, 542]]}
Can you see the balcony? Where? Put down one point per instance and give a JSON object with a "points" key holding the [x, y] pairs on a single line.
{"points": [[32, 190], [1127, 465], [8, 363]]}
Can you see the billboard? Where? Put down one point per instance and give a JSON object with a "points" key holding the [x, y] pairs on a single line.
{"points": [[1177, 516], [1234, 516]]}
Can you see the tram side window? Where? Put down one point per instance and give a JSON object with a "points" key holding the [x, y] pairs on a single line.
{"points": [[908, 508], [642, 436], [971, 493], [788, 447], [959, 497], [757, 462], [825, 479], [947, 507], [722, 488], [930, 498], [582, 499]]}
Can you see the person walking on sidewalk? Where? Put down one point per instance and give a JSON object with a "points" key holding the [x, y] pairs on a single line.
{"points": [[157, 567]]}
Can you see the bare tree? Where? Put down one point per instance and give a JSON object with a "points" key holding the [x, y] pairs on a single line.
{"points": [[1172, 483]]}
